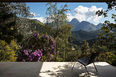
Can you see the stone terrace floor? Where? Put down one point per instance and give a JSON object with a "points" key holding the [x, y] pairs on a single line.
{"points": [[54, 69]]}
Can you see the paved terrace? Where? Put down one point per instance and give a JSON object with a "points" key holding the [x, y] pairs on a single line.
{"points": [[54, 69]]}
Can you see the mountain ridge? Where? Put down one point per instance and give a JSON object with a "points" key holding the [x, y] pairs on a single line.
{"points": [[84, 25]]}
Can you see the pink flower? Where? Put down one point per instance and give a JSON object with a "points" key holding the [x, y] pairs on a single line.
{"points": [[38, 34], [65, 10]]}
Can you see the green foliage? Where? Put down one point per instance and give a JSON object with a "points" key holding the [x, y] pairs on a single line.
{"points": [[73, 55], [107, 40], [84, 35], [62, 39], [64, 31], [39, 27], [7, 28], [85, 48], [59, 59], [10, 14], [55, 14], [106, 54], [108, 57], [8, 51], [99, 48], [61, 28], [108, 36], [78, 37], [92, 50]]}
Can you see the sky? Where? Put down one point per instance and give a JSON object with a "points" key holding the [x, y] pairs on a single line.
{"points": [[81, 11]]}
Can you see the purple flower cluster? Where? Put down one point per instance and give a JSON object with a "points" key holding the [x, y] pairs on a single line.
{"points": [[45, 37], [35, 56], [29, 55], [38, 46], [35, 35]]}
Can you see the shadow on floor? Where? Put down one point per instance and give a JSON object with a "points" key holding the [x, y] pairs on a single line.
{"points": [[66, 71]]}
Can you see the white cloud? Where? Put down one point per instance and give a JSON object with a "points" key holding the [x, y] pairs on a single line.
{"points": [[80, 17], [81, 13], [85, 14], [33, 13], [38, 17], [41, 19], [88, 19], [92, 10], [96, 18], [80, 10], [69, 17]]}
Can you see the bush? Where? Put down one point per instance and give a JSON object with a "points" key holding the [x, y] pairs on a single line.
{"points": [[108, 57], [39, 48], [8, 51], [30, 55]]}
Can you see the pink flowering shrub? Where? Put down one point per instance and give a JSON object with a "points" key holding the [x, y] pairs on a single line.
{"points": [[39, 48]]}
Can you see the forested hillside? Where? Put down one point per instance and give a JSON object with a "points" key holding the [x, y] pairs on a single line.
{"points": [[78, 37]]}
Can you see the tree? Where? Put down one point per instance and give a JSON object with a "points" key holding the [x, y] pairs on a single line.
{"points": [[56, 16], [59, 23], [85, 48], [10, 19], [92, 48], [108, 34], [8, 51]]}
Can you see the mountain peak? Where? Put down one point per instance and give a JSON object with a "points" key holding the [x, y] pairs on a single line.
{"points": [[74, 21], [84, 25], [99, 26], [85, 22]]}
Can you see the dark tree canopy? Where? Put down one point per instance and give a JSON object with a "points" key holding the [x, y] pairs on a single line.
{"points": [[9, 17]]}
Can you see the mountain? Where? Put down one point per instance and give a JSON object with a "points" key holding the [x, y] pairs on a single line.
{"points": [[82, 35], [37, 26], [74, 21], [99, 26], [78, 37], [84, 25]]}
